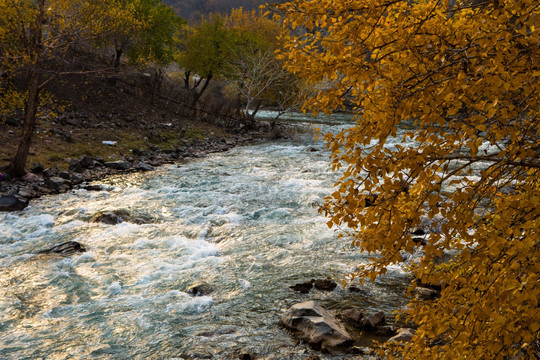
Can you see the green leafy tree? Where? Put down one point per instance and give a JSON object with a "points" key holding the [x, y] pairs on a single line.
{"points": [[142, 29], [205, 50], [461, 79]]}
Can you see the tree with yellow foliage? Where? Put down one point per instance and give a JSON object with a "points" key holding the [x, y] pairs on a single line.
{"points": [[31, 32], [460, 78], [37, 35]]}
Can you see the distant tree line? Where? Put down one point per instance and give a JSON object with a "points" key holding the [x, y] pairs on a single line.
{"points": [[194, 10]]}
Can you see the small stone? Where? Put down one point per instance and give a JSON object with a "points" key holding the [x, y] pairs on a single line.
{"points": [[32, 178], [142, 166], [75, 166], [57, 183], [37, 168], [50, 172], [76, 178], [117, 165], [25, 192], [64, 175], [86, 161]]}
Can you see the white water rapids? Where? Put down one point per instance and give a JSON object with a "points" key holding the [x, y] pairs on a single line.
{"points": [[244, 221]]}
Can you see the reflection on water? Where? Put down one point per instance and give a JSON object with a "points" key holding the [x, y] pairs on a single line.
{"points": [[243, 222]]}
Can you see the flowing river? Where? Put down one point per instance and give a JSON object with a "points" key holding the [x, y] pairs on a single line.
{"points": [[245, 221]]}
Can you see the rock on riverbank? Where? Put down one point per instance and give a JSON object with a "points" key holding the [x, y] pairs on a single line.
{"points": [[15, 194]]}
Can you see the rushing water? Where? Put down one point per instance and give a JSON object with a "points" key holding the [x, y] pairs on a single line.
{"points": [[245, 221]]}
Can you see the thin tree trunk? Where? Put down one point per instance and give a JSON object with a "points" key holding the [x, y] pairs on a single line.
{"points": [[119, 50], [197, 94], [16, 168]]}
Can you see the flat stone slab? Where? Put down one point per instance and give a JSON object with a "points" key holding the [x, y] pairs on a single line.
{"points": [[316, 326]]}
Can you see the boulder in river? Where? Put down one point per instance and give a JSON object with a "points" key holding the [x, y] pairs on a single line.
{"points": [[316, 326], [303, 288], [353, 317], [426, 293], [202, 289], [66, 248], [112, 217], [373, 321], [404, 335], [325, 284], [12, 203]]}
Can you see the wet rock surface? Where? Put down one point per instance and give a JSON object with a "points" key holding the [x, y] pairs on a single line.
{"points": [[404, 335], [65, 249], [12, 203], [201, 289], [316, 326]]}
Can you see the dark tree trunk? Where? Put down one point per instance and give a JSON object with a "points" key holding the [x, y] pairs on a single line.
{"points": [[16, 167], [156, 84], [254, 112], [197, 94], [187, 75], [119, 50]]}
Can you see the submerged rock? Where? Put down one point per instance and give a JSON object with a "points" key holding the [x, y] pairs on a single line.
{"points": [[12, 203], [93, 187], [202, 289], [112, 217], [303, 288], [316, 326], [325, 284], [67, 248]]}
